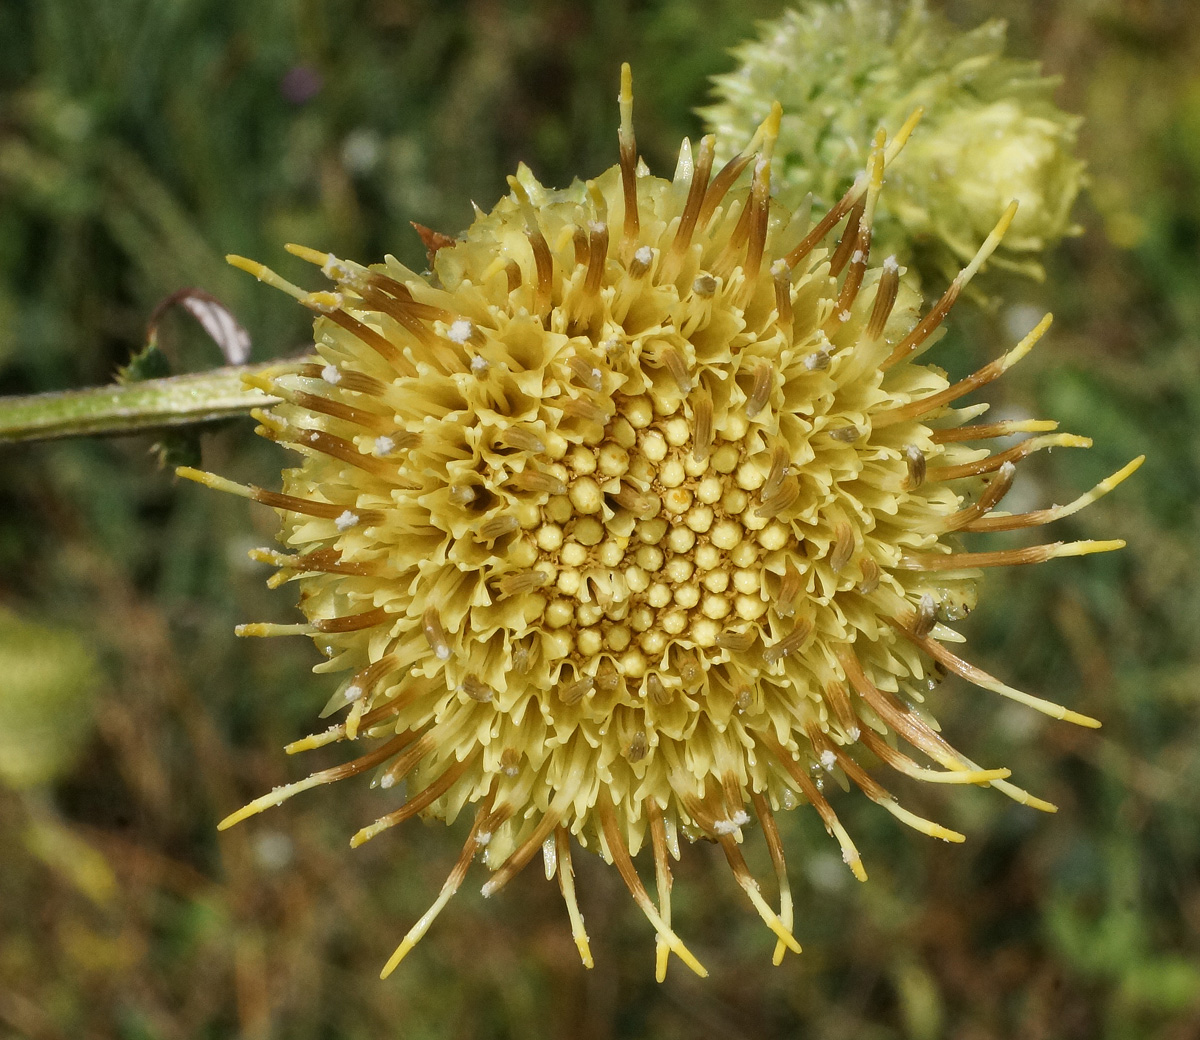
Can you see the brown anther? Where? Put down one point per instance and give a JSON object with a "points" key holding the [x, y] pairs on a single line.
{"points": [[869, 571], [674, 363], [789, 589], [538, 482], [925, 617], [522, 440], [656, 691], [518, 583], [736, 642], [778, 470], [843, 547], [572, 693], [789, 491], [915, 460], [435, 635], [885, 299], [497, 527], [637, 747], [476, 689], [586, 374], [760, 389], [789, 644]]}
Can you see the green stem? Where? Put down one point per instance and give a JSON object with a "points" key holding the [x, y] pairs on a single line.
{"points": [[154, 404]]}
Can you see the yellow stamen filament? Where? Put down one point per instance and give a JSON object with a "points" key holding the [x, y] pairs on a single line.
{"points": [[628, 152], [566, 884], [453, 883], [1046, 516], [624, 865], [985, 431], [980, 678], [850, 199], [775, 848], [935, 317], [940, 474], [662, 881], [1006, 557], [325, 776], [742, 875], [989, 372], [832, 824], [416, 803]]}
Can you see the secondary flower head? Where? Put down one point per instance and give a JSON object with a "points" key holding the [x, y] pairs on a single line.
{"points": [[992, 132], [636, 520]]}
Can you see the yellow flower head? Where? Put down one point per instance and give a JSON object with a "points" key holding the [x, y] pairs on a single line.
{"points": [[637, 520]]}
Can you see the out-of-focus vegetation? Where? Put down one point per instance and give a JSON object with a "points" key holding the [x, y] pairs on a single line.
{"points": [[142, 140]]}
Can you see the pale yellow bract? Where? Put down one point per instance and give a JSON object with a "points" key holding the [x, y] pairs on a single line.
{"points": [[637, 519]]}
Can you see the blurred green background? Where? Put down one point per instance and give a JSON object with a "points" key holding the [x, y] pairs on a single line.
{"points": [[140, 140]]}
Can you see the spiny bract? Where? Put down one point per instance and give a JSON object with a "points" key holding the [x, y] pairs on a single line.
{"points": [[636, 518], [993, 132]]}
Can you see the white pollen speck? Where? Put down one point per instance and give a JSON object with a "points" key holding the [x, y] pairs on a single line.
{"points": [[739, 819], [856, 257], [845, 315], [828, 760], [479, 364], [383, 446], [644, 255], [346, 521], [386, 781], [353, 692], [846, 856], [331, 375], [442, 653], [460, 331], [854, 733], [891, 264], [483, 837]]}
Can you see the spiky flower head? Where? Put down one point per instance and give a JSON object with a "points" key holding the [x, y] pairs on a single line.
{"points": [[637, 519], [991, 133]]}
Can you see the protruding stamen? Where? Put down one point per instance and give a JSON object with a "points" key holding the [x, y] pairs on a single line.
{"points": [[691, 210], [780, 457], [736, 642], [869, 576], [980, 678], [1015, 454], [850, 199], [628, 151], [789, 491], [452, 885], [674, 362], [1046, 516], [417, 803], [538, 482], [597, 258], [985, 431], [586, 374], [782, 276], [885, 298], [325, 776], [989, 372], [566, 884], [522, 439], [574, 692], [624, 864], [989, 499], [497, 527], [935, 317], [1005, 557]]}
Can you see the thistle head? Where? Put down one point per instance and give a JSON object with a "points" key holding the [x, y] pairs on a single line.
{"points": [[991, 133], [637, 519]]}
